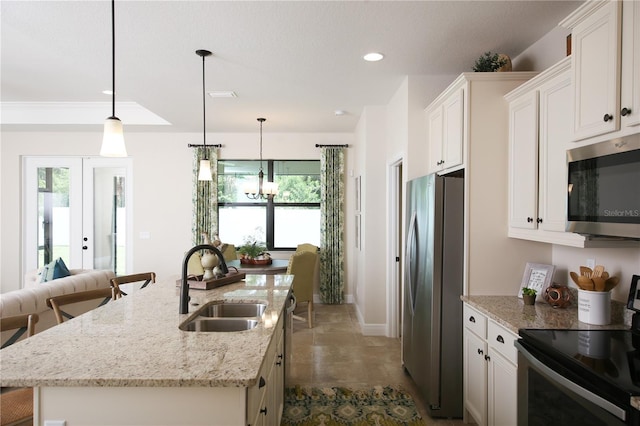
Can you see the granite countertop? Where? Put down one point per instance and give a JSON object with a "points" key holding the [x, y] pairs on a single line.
{"points": [[135, 341], [513, 314]]}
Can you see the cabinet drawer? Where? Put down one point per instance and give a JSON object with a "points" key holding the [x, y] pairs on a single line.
{"points": [[475, 321], [502, 341]]}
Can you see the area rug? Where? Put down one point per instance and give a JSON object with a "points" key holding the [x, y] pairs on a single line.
{"points": [[382, 405]]}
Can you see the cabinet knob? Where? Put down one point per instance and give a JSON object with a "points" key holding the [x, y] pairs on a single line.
{"points": [[84, 247], [263, 411], [480, 351], [487, 358], [278, 363], [472, 319], [607, 117], [500, 339], [539, 220], [625, 111], [529, 219], [262, 382]]}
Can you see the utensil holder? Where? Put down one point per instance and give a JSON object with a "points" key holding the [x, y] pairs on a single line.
{"points": [[594, 307]]}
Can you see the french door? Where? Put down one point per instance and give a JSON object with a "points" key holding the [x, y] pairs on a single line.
{"points": [[78, 209]]}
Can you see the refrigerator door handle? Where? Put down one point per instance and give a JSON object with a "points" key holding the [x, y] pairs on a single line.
{"points": [[411, 279]]}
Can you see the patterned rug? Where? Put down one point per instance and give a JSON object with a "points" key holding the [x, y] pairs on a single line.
{"points": [[382, 405]]}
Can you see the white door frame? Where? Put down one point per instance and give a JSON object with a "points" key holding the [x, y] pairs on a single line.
{"points": [[394, 237], [81, 178]]}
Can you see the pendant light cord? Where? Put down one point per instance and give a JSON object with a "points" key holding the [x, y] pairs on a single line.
{"points": [[204, 115], [113, 58]]}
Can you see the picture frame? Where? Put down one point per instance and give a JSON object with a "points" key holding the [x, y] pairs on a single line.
{"points": [[537, 276], [634, 294]]}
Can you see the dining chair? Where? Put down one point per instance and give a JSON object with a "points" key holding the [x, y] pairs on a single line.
{"points": [[302, 265], [56, 302], [16, 404], [145, 278], [307, 247]]}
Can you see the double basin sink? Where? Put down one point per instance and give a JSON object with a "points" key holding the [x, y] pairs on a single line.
{"points": [[225, 316]]}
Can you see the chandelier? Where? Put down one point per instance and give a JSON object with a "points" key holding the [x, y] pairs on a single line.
{"points": [[265, 190]]}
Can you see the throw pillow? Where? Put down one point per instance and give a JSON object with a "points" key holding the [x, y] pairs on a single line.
{"points": [[54, 270]]}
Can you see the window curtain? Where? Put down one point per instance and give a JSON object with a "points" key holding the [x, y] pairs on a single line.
{"points": [[332, 225], [204, 197]]}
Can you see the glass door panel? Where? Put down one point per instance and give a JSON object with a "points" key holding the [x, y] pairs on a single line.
{"points": [[109, 219]]}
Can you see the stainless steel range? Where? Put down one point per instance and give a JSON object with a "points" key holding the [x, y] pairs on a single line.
{"points": [[579, 377]]}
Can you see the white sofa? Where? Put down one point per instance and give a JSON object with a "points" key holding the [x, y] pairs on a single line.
{"points": [[33, 297]]}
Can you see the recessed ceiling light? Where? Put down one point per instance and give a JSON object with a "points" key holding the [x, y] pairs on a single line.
{"points": [[223, 94], [107, 92], [339, 112], [373, 57]]}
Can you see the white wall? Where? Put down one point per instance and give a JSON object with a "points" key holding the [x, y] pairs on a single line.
{"points": [[162, 185], [621, 262]]}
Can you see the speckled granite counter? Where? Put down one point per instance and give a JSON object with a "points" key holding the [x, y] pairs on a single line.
{"points": [[512, 313], [135, 341]]}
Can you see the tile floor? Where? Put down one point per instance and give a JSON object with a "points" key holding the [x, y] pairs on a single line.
{"points": [[335, 353]]}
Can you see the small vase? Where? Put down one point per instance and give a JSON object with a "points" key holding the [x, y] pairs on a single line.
{"points": [[209, 261], [529, 299]]}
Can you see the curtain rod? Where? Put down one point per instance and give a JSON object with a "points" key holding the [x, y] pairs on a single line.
{"points": [[191, 145], [318, 145]]}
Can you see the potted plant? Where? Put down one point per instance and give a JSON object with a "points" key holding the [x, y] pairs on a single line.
{"points": [[491, 62], [253, 251], [528, 296]]}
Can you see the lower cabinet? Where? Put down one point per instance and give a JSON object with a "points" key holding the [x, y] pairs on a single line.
{"points": [[265, 400], [490, 371]]}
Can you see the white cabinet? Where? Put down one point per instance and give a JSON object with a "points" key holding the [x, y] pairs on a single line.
{"points": [[446, 130], [605, 67], [265, 400], [539, 136], [630, 93], [490, 371]]}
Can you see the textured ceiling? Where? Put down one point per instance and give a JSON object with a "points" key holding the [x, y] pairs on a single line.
{"points": [[294, 62]]}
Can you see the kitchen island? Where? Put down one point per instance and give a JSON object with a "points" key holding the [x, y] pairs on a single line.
{"points": [[129, 363]]}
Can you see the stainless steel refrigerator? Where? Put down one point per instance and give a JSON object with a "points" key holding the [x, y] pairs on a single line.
{"points": [[432, 310]]}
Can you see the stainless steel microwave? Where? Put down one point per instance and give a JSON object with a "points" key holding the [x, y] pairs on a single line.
{"points": [[604, 188]]}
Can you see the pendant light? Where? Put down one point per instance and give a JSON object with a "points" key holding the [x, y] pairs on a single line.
{"points": [[205, 164], [265, 190], [113, 138]]}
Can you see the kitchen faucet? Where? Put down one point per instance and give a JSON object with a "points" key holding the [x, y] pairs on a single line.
{"points": [[184, 287]]}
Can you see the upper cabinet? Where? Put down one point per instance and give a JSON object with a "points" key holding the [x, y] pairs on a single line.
{"points": [[446, 130], [538, 139], [605, 41]]}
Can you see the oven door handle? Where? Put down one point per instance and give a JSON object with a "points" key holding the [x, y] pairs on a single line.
{"points": [[579, 390]]}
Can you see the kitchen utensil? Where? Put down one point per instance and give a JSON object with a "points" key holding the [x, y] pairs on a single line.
{"points": [[575, 277], [585, 283], [611, 283], [586, 271], [605, 275], [598, 283], [598, 270]]}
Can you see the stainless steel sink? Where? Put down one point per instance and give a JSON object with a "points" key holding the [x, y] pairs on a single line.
{"points": [[219, 324], [232, 310]]}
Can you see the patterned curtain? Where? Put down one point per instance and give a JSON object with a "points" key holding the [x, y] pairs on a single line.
{"points": [[332, 225], [204, 197]]}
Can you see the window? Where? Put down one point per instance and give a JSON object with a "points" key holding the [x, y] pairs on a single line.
{"points": [[291, 218]]}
